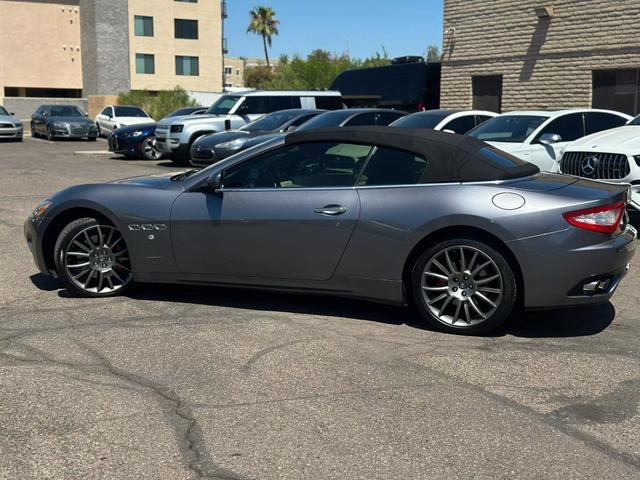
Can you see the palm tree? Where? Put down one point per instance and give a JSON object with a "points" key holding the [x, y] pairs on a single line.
{"points": [[263, 23]]}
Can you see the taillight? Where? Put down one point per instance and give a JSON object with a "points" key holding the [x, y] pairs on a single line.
{"points": [[605, 219]]}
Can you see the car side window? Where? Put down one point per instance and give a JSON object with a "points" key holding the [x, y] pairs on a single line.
{"points": [[362, 119], [106, 111], [385, 118], [570, 127], [481, 119], [460, 125], [598, 121], [276, 103], [304, 165], [255, 105], [388, 166], [299, 121]]}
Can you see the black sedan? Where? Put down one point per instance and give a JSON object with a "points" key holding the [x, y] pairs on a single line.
{"points": [[216, 146], [334, 118], [62, 121]]}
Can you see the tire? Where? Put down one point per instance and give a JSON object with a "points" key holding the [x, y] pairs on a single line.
{"points": [[463, 299], [92, 139], [50, 135], [180, 161], [34, 134], [149, 150], [92, 259]]}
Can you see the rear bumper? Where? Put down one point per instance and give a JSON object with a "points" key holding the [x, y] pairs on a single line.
{"points": [[555, 277]]}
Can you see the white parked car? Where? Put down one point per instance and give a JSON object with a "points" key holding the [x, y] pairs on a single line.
{"points": [[116, 116], [453, 121], [540, 137], [613, 155]]}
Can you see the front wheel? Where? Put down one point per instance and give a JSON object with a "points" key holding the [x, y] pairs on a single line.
{"points": [[92, 259], [50, 135], [464, 286], [149, 149]]}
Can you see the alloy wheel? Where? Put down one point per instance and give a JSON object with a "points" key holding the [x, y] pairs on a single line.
{"points": [[461, 286], [97, 260], [150, 149]]}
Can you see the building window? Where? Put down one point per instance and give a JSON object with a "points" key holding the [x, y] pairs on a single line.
{"points": [[487, 93], [228, 70], [237, 71], [143, 26], [617, 90], [145, 63], [187, 65], [228, 85], [186, 28]]}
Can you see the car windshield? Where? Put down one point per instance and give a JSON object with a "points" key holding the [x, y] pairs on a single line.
{"points": [[273, 121], [3, 111], [508, 128], [421, 120], [223, 105], [66, 111], [130, 112], [325, 120], [635, 121]]}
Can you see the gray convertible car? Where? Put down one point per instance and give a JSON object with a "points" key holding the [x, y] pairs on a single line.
{"points": [[465, 231]]}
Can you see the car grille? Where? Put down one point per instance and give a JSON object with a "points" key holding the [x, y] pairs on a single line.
{"points": [[78, 129], [605, 166], [7, 125]]}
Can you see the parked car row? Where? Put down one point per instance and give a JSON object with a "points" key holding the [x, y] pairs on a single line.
{"points": [[10, 126]]}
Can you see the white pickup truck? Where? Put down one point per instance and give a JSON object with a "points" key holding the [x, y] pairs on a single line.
{"points": [[175, 135]]}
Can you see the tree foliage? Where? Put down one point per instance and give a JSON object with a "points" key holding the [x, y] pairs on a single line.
{"points": [[160, 104], [262, 22], [316, 72], [433, 53]]}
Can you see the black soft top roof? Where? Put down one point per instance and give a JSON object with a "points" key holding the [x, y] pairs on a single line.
{"points": [[450, 157]]}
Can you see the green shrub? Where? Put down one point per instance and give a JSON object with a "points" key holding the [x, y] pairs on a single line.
{"points": [[159, 104]]}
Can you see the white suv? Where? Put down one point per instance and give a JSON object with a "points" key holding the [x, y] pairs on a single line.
{"points": [[175, 135], [540, 137], [613, 155], [116, 116]]}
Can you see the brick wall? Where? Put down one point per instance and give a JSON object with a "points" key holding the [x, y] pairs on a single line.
{"points": [[544, 63]]}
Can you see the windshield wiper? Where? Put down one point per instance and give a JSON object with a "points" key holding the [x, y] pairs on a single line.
{"points": [[183, 175]]}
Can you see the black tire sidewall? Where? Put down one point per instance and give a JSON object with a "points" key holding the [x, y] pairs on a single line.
{"points": [[64, 238], [509, 295]]}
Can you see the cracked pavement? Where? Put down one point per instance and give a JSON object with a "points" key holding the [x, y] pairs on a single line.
{"points": [[177, 382]]}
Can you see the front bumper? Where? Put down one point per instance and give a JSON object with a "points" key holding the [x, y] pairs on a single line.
{"points": [[570, 259], [34, 242], [66, 133], [124, 145], [11, 133]]}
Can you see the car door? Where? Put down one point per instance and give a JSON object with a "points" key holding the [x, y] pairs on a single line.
{"points": [[570, 127], [284, 214], [39, 120], [103, 118]]}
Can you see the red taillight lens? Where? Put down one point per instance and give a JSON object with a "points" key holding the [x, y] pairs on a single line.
{"points": [[605, 219]]}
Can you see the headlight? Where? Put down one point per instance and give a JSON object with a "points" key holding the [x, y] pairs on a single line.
{"points": [[137, 133], [40, 210], [233, 144], [61, 126], [176, 128], [18, 125]]}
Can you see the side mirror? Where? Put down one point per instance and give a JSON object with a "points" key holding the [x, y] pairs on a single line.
{"points": [[215, 181], [550, 138]]}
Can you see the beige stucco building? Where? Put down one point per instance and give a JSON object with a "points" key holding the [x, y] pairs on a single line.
{"points": [[233, 72], [184, 40], [40, 52], [74, 48], [523, 54]]}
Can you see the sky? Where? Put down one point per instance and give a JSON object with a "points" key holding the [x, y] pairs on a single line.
{"points": [[402, 27]]}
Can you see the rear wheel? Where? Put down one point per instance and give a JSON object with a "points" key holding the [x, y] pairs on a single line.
{"points": [[463, 286], [92, 259]]}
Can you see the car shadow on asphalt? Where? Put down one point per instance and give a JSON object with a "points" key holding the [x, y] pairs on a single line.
{"points": [[558, 323]]}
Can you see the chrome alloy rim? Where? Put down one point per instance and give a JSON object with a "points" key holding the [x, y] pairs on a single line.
{"points": [[461, 286], [97, 260], [150, 149]]}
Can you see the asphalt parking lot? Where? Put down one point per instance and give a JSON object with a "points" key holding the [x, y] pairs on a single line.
{"points": [[173, 382]]}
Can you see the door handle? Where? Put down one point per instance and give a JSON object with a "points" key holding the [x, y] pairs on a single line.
{"points": [[331, 210]]}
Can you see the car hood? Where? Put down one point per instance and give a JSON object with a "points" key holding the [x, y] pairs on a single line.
{"points": [[211, 140], [10, 118], [162, 181], [132, 120], [258, 139], [72, 120], [181, 119], [624, 139], [148, 127]]}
